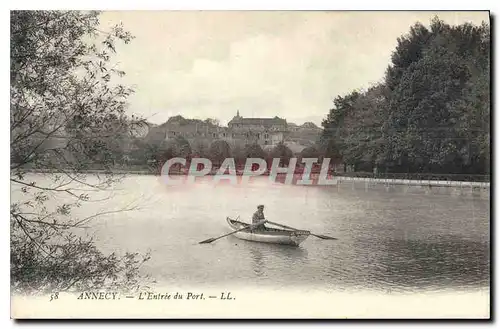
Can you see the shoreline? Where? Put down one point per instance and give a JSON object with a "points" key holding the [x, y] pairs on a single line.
{"points": [[340, 179], [416, 182]]}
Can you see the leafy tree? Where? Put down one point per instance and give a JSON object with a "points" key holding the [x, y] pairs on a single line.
{"points": [[212, 121], [200, 149], [409, 49], [431, 113], [179, 119], [335, 127], [67, 109], [432, 106], [282, 152], [361, 139], [310, 152], [180, 147], [254, 151], [239, 154], [425, 109]]}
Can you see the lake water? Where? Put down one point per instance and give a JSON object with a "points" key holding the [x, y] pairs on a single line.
{"points": [[388, 239]]}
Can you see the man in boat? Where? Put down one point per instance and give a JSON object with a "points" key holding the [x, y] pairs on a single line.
{"points": [[258, 216]]}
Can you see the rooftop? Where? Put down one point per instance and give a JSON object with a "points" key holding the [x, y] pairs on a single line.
{"points": [[258, 121]]}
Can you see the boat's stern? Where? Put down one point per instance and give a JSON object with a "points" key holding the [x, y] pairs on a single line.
{"points": [[299, 236]]}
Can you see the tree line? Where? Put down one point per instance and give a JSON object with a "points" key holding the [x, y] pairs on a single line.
{"points": [[429, 114], [159, 152]]}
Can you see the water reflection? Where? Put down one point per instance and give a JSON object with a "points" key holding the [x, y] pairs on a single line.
{"points": [[431, 264], [265, 258], [258, 262]]}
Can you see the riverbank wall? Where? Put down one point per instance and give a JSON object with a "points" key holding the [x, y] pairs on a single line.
{"points": [[415, 187], [414, 182]]}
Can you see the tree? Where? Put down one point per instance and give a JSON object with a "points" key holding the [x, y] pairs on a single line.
{"points": [[219, 151], [239, 154], [180, 147], [213, 122], [408, 50], [282, 152], [362, 136], [336, 126], [310, 152], [433, 125], [430, 114], [330, 149], [200, 149], [67, 109], [254, 151]]}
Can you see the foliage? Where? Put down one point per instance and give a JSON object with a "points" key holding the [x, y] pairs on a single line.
{"points": [[200, 148], [67, 116], [212, 122], [282, 152], [254, 151], [239, 154], [181, 121], [180, 147], [310, 152], [219, 151], [432, 112]]}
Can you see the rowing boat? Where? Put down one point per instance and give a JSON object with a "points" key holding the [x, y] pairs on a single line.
{"points": [[270, 235]]}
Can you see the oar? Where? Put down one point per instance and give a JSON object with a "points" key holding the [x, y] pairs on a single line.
{"points": [[325, 237], [241, 229]]}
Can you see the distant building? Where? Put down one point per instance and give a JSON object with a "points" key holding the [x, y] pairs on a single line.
{"points": [[263, 131], [307, 134], [239, 131]]}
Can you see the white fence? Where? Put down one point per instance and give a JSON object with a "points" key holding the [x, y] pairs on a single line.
{"points": [[415, 182]]}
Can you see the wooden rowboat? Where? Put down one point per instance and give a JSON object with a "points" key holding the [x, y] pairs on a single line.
{"points": [[270, 235]]}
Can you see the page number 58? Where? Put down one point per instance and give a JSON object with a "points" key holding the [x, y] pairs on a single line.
{"points": [[54, 296]]}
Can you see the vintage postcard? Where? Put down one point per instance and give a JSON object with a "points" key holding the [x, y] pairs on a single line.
{"points": [[250, 164]]}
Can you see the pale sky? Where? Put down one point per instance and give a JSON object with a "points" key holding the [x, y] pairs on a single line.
{"points": [[286, 63]]}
